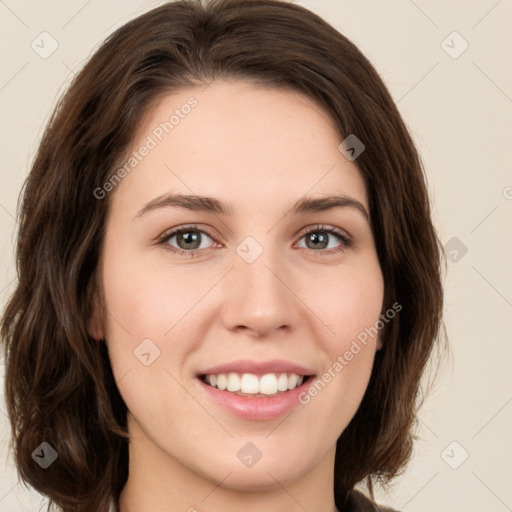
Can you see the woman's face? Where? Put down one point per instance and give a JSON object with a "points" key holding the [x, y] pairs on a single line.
{"points": [[242, 288]]}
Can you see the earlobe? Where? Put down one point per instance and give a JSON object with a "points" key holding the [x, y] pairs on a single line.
{"points": [[94, 324], [94, 321], [379, 343]]}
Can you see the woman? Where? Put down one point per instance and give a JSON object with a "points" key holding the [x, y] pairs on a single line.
{"points": [[229, 280]]}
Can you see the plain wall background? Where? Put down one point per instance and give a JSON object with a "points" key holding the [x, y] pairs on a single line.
{"points": [[458, 107]]}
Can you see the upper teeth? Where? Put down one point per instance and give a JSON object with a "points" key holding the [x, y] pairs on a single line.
{"points": [[267, 384]]}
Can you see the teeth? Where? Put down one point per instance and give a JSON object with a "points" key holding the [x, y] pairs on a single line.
{"points": [[233, 382], [222, 381], [282, 382], [268, 384], [249, 383]]}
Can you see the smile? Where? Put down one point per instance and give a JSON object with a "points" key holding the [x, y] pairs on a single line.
{"points": [[256, 386], [250, 384], [255, 406]]}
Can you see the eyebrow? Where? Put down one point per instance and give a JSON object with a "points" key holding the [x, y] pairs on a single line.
{"points": [[213, 205]]}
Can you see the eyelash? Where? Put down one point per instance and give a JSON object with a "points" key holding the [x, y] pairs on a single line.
{"points": [[346, 241]]}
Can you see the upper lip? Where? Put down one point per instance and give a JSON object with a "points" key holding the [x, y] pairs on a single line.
{"points": [[258, 367]]}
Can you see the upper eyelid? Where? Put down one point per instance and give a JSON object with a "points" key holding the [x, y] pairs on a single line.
{"points": [[173, 231]]}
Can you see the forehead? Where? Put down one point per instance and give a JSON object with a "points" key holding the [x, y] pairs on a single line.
{"points": [[253, 146]]}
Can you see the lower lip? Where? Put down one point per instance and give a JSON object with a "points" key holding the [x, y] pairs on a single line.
{"points": [[250, 408]]}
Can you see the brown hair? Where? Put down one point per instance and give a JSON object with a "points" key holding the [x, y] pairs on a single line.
{"points": [[59, 384]]}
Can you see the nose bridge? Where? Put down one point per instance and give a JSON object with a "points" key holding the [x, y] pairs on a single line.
{"points": [[258, 297]]}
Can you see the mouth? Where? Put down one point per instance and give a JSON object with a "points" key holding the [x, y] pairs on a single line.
{"points": [[254, 385], [256, 390]]}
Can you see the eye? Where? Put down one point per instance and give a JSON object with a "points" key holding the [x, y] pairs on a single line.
{"points": [[188, 239], [318, 238]]}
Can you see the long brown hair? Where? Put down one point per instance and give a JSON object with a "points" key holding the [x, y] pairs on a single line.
{"points": [[58, 383]]}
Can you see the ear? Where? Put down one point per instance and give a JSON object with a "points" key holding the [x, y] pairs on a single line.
{"points": [[379, 342], [95, 317]]}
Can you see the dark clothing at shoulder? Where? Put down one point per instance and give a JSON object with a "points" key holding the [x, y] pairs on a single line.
{"points": [[358, 502]]}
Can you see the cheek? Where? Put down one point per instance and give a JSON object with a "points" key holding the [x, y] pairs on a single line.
{"points": [[351, 306], [148, 300], [155, 311], [144, 311]]}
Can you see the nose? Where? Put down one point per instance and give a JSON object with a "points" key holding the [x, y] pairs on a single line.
{"points": [[259, 297]]}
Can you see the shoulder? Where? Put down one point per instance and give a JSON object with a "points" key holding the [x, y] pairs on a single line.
{"points": [[358, 502]]}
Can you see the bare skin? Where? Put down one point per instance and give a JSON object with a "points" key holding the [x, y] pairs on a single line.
{"points": [[260, 151]]}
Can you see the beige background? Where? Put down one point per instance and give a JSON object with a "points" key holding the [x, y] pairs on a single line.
{"points": [[460, 113]]}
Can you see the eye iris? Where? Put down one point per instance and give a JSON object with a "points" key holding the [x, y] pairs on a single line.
{"points": [[322, 238], [188, 237]]}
